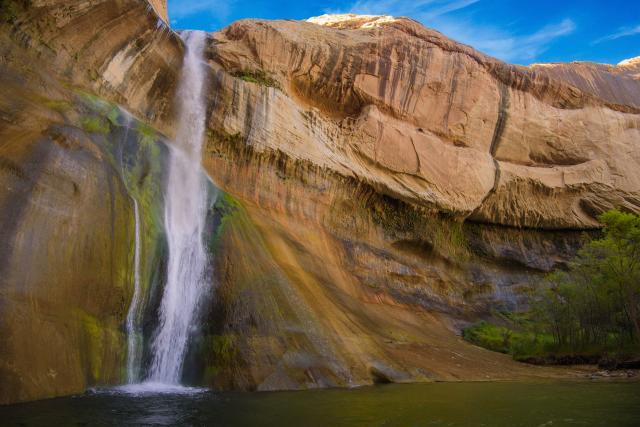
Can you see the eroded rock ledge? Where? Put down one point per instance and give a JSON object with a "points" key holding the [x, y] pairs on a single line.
{"points": [[430, 121]]}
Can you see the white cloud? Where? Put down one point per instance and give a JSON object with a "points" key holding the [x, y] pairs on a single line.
{"points": [[503, 44], [499, 42], [409, 8], [622, 32], [450, 6]]}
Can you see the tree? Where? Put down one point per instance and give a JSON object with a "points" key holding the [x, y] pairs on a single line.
{"points": [[598, 299]]}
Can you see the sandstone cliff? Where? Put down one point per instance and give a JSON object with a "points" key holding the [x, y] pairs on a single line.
{"points": [[382, 186], [433, 122], [613, 83]]}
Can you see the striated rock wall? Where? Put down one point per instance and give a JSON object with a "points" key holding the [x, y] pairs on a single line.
{"points": [[613, 83], [430, 121], [325, 282], [120, 50], [368, 158], [69, 170]]}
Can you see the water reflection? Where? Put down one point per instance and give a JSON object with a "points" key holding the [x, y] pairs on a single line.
{"points": [[450, 404]]}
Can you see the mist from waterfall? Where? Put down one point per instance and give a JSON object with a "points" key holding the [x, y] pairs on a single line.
{"points": [[184, 217]]}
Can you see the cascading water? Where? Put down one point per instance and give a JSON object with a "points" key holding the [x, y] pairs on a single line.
{"points": [[185, 215], [133, 330], [134, 333]]}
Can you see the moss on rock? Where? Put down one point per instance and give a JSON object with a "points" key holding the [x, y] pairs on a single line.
{"points": [[257, 77]]}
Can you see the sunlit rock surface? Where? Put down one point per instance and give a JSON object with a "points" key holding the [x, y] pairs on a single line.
{"points": [[376, 177], [433, 122], [160, 7], [614, 83]]}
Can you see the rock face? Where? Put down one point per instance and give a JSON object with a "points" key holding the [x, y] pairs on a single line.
{"points": [[70, 165], [70, 168], [160, 7], [382, 186], [616, 84], [120, 50], [435, 123]]}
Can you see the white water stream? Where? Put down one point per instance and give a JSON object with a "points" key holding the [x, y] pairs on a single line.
{"points": [[134, 335], [134, 332], [185, 215]]}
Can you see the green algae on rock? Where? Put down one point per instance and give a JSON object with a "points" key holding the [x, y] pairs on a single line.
{"points": [[70, 214]]}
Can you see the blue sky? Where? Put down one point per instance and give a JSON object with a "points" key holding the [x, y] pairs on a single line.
{"points": [[518, 31]]}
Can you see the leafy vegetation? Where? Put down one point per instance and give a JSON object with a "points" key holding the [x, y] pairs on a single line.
{"points": [[258, 77], [519, 336], [596, 303], [9, 11], [591, 310]]}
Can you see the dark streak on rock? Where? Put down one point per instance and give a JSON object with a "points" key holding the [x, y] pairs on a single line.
{"points": [[495, 140], [502, 118]]}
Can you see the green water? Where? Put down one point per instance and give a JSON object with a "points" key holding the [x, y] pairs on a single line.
{"points": [[440, 404]]}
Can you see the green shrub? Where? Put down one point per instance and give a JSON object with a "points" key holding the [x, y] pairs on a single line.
{"points": [[596, 303], [519, 343], [9, 11], [589, 311], [258, 77], [489, 336]]}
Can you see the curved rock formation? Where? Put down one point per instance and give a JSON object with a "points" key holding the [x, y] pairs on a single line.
{"points": [[382, 185], [432, 122], [613, 83]]}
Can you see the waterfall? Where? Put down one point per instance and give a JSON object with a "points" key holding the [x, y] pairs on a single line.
{"points": [[133, 332], [185, 214]]}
